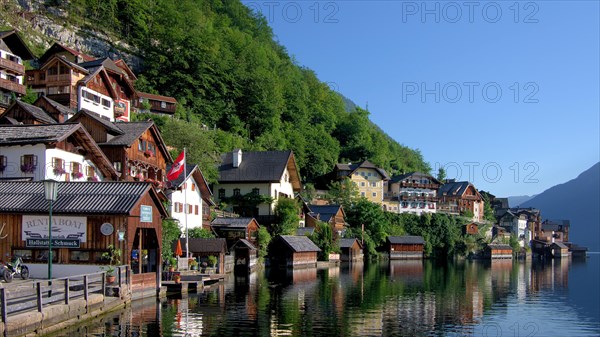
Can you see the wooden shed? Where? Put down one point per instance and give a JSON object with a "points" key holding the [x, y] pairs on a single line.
{"points": [[405, 247], [470, 229], [559, 250], [245, 256], [87, 217], [293, 251], [498, 251], [234, 229], [201, 249], [351, 250]]}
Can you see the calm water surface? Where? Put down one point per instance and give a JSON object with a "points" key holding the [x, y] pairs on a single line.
{"points": [[502, 298]]}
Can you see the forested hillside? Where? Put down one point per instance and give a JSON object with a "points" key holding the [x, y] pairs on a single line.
{"points": [[221, 62]]}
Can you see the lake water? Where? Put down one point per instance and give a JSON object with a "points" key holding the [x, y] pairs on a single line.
{"points": [[500, 298]]}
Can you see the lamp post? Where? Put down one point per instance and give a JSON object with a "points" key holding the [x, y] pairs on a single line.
{"points": [[51, 192]]}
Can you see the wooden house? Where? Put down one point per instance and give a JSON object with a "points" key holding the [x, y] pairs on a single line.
{"points": [[470, 229], [498, 251], [456, 197], [64, 152], [405, 247], [293, 251], [24, 113], [156, 104], [351, 250], [331, 214], [201, 249], [234, 229], [413, 192], [87, 217], [245, 256], [13, 51], [559, 250]]}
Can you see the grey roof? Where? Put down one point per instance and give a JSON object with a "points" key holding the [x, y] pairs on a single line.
{"points": [[32, 134], [560, 245], [456, 188], [131, 132], [303, 231], [264, 166], [37, 112], [347, 243], [182, 178], [108, 125], [11, 120], [324, 209], [73, 197], [61, 108], [407, 240], [12, 39], [499, 246], [201, 245], [414, 175], [364, 164], [232, 222], [299, 243], [104, 62], [243, 242]]}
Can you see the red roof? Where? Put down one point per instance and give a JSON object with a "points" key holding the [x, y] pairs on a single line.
{"points": [[156, 97]]}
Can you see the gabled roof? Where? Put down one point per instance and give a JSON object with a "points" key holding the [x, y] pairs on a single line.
{"points": [[156, 97], [232, 222], [499, 246], [59, 107], [414, 175], [200, 245], [259, 166], [560, 245], [106, 62], [51, 133], [62, 59], [113, 197], [101, 71], [17, 46], [406, 240], [107, 124], [365, 165], [57, 48], [456, 188], [325, 212], [299, 243], [347, 243], [35, 112], [243, 243], [121, 64], [195, 172]]}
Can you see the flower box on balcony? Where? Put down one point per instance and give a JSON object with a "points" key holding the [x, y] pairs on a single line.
{"points": [[77, 175], [59, 171], [27, 168]]}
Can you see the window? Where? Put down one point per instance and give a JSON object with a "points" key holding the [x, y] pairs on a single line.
{"points": [[151, 147], [256, 191], [176, 207], [374, 194], [221, 193], [374, 184], [236, 192], [53, 70], [362, 194], [189, 209], [163, 105], [28, 163], [106, 103], [79, 255], [196, 209], [362, 183], [63, 69], [117, 165], [90, 172], [141, 145], [193, 187], [25, 254]]}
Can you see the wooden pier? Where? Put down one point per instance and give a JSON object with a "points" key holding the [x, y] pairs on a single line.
{"points": [[190, 283]]}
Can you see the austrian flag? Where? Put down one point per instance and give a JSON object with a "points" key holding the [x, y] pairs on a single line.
{"points": [[177, 167]]}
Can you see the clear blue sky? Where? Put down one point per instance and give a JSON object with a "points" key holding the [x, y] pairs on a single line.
{"points": [[531, 136]]}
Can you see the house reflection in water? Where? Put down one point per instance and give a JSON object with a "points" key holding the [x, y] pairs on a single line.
{"points": [[550, 274], [409, 271]]}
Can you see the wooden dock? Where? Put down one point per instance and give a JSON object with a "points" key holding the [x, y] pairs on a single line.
{"points": [[191, 283]]}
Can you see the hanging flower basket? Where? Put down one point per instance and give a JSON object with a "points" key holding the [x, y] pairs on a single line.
{"points": [[27, 168], [77, 175], [59, 171]]}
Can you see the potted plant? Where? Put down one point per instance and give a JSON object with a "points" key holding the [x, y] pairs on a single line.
{"points": [[172, 263], [113, 256], [77, 175], [58, 171], [27, 168], [177, 277], [193, 264], [212, 261]]}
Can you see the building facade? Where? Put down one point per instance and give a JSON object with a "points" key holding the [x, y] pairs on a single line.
{"points": [[414, 192], [13, 51]]}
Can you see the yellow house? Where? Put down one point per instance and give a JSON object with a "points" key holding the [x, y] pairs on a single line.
{"points": [[366, 176]]}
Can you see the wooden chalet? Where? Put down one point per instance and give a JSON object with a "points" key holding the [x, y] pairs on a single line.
{"points": [[470, 229], [201, 249], [70, 54], [405, 247], [87, 217], [64, 152], [559, 250], [24, 113], [234, 229], [13, 51], [245, 256], [157, 104], [290, 251], [456, 197], [498, 251], [351, 250], [331, 214]]}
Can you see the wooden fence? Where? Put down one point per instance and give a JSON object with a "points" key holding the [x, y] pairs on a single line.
{"points": [[35, 295]]}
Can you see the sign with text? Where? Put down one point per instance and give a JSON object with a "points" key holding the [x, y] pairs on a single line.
{"points": [[63, 227], [56, 243], [145, 213]]}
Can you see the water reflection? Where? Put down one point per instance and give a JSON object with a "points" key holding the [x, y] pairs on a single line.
{"points": [[399, 298]]}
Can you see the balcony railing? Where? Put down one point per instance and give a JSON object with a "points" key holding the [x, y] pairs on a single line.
{"points": [[419, 185], [64, 79], [12, 86], [417, 197], [12, 66]]}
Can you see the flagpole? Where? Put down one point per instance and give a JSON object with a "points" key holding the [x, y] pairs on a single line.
{"points": [[187, 241]]}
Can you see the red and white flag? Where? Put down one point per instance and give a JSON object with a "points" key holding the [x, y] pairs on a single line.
{"points": [[177, 167]]}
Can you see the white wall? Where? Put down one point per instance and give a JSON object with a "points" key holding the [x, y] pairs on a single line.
{"points": [[40, 270], [194, 198], [44, 169], [245, 188], [84, 103]]}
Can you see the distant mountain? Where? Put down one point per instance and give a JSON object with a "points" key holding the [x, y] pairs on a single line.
{"points": [[518, 200], [577, 200]]}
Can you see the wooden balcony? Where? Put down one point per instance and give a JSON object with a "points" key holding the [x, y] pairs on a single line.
{"points": [[11, 66], [56, 80], [419, 185], [12, 86], [417, 198]]}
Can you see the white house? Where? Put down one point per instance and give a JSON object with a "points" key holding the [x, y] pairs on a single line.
{"points": [[271, 174], [516, 224], [413, 192], [64, 152], [189, 196]]}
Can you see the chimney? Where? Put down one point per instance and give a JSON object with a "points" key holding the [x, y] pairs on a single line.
{"points": [[237, 157]]}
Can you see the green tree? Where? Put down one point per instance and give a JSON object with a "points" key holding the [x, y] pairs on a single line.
{"points": [[264, 238], [343, 192], [198, 232], [170, 233], [287, 213], [441, 175], [323, 238]]}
